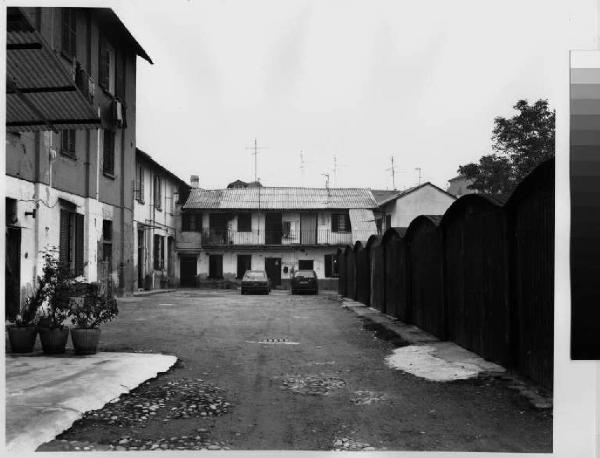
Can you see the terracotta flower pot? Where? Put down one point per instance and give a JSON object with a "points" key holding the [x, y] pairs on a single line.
{"points": [[54, 340], [85, 341], [22, 339]]}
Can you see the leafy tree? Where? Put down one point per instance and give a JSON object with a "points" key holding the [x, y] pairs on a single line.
{"points": [[519, 143]]}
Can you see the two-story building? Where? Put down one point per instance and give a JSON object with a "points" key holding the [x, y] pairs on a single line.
{"points": [[155, 213], [228, 231], [70, 144]]}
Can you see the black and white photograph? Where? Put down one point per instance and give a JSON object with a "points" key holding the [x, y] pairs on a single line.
{"points": [[301, 225]]}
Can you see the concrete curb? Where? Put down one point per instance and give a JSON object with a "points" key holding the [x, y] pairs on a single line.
{"points": [[152, 292]]}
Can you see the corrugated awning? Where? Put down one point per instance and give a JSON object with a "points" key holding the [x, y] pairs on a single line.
{"points": [[41, 94]]}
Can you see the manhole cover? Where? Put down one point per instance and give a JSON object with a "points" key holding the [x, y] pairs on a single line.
{"points": [[277, 340]]}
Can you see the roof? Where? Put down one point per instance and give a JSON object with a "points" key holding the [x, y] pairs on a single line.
{"points": [[148, 158], [271, 198], [400, 194], [119, 32], [381, 195], [41, 94]]}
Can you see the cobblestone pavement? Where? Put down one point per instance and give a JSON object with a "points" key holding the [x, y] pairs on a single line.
{"points": [[285, 372]]}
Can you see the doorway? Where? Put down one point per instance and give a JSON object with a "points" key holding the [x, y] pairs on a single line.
{"points": [[215, 266], [140, 257], [244, 263], [273, 228], [273, 269], [188, 266], [12, 273]]}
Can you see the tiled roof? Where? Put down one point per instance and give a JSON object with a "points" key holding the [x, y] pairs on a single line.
{"points": [[384, 194], [281, 198]]}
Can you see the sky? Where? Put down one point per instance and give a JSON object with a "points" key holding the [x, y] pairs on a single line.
{"points": [[360, 81]]}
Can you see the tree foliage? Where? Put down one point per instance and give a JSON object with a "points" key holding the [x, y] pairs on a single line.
{"points": [[519, 144]]}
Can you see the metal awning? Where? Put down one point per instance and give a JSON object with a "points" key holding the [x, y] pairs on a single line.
{"points": [[41, 93]]}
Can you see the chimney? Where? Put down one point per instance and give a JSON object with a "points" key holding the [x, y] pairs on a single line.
{"points": [[195, 181]]}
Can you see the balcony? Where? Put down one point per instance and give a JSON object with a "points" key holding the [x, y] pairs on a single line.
{"points": [[225, 237]]}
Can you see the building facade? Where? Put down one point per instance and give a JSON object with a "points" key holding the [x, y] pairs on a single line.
{"points": [[70, 145], [280, 230], [399, 209], [459, 186], [158, 193]]}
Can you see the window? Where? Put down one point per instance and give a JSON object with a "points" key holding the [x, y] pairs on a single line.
{"points": [[191, 222], [305, 264], [388, 221], [159, 252], [71, 240], [331, 266], [105, 64], [67, 142], [245, 222], [107, 240], [108, 164], [69, 32], [157, 192], [139, 184], [340, 222]]}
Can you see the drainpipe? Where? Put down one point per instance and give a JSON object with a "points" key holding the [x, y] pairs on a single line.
{"points": [[98, 160]]}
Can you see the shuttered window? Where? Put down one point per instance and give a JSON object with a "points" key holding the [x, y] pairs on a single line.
{"points": [[340, 222], [108, 164], [71, 241], [104, 57], [157, 192], [67, 142], [139, 184], [69, 32]]}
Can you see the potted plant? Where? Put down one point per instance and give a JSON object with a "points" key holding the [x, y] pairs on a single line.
{"points": [[55, 284], [88, 312], [22, 332]]}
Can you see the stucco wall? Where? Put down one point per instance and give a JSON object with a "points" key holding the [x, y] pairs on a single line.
{"points": [[424, 201]]}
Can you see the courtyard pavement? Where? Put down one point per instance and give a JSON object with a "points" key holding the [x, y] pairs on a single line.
{"points": [[284, 372]]}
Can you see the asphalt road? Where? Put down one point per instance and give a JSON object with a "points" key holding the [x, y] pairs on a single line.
{"points": [[299, 373]]}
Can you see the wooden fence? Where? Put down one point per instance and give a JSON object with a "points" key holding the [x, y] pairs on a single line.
{"points": [[481, 275]]}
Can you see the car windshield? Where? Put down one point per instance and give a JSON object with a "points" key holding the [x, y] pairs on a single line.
{"points": [[305, 274], [255, 275]]}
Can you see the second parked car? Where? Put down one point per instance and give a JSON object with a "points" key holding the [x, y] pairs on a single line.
{"points": [[255, 281], [305, 281]]}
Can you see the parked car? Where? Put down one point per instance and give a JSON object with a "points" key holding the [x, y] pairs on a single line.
{"points": [[305, 281], [256, 281]]}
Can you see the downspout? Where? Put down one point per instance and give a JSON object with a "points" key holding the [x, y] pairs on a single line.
{"points": [[98, 160]]}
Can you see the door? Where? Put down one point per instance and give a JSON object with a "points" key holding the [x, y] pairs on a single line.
{"points": [[12, 274], [244, 262], [141, 257], [305, 264], [215, 266], [273, 269], [308, 228], [188, 266], [273, 228]]}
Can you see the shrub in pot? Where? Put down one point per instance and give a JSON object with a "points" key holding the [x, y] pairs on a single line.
{"points": [[22, 333], [88, 312], [55, 284]]}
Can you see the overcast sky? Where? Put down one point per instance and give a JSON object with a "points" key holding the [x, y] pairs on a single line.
{"points": [[361, 80]]}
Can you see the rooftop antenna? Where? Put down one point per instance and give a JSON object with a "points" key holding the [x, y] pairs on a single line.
{"points": [[393, 171], [419, 170], [255, 149], [326, 175]]}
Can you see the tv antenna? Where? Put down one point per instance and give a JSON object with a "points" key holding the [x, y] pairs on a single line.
{"points": [[418, 169], [255, 150], [326, 175], [392, 169]]}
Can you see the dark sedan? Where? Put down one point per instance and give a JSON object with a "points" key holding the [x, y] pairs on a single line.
{"points": [[256, 281], [305, 281]]}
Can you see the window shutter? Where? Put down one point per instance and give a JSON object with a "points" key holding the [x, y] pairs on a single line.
{"points": [[162, 252], [78, 244], [328, 262], [63, 244], [156, 252], [141, 185]]}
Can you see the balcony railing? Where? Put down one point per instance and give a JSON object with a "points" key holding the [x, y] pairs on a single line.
{"points": [[226, 237]]}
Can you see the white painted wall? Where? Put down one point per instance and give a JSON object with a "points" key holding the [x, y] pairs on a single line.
{"points": [[427, 200]]}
